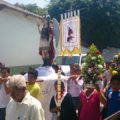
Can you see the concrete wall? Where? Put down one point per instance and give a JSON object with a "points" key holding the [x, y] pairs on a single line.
{"points": [[19, 39]]}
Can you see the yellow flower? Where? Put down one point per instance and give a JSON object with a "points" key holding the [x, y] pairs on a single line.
{"points": [[114, 72]]}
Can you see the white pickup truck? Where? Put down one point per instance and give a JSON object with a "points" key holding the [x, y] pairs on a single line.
{"points": [[66, 61]]}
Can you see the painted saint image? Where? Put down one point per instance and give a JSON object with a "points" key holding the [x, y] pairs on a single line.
{"points": [[70, 34]]}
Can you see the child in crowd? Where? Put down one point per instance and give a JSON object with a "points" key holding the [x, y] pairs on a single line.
{"points": [[67, 109], [4, 91], [32, 86], [75, 84], [113, 95], [90, 100]]}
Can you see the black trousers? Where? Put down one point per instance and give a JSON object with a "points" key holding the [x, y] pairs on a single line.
{"points": [[2, 113]]}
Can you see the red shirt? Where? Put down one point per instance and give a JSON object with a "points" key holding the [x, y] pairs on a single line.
{"points": [[90, 109]]}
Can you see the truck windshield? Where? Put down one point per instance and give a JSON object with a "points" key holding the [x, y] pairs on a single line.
{"points": [[66, 60], [83, 59]]}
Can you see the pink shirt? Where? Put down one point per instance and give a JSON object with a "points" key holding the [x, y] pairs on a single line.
{"points": [[90, 109]]}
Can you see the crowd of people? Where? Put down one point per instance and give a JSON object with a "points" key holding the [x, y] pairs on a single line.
{"points": [[89, 102], [19, 99], [81, 101]]}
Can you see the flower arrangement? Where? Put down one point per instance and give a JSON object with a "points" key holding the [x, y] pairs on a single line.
{"points": [[115, 65], [93, 66]]}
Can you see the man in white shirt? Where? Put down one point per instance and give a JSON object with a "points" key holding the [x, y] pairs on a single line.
{"points": [[4, 91], [23, 106]]}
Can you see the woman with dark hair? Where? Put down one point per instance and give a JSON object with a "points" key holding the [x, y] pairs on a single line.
{"points": [[67, 109]]}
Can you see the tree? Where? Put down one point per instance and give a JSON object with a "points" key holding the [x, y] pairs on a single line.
{"points": [[99, 19], [32, 8]]}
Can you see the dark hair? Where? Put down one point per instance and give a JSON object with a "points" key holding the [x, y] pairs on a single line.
{"points": [[33, 72], [115, 78], [55, 67], [75, 67], [5, 68], [62, 84]]}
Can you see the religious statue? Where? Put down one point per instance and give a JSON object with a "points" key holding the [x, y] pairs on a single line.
{"points": [[46, 49]]}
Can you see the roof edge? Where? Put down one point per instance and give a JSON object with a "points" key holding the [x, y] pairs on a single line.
{"points": [[13, 7]]}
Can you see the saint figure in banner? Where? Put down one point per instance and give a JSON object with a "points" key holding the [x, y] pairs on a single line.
{"points": [[70, 34]]}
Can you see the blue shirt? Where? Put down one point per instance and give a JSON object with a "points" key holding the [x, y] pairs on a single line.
{"points": [[113, 98]]}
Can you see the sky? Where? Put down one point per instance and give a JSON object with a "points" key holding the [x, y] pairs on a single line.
{"points": [[40, 3]]}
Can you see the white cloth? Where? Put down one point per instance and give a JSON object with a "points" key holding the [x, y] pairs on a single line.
{"points": [[45, 71], [4, 98], [75, 87], [29, 109]]}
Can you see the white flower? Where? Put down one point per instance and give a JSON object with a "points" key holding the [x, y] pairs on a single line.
{"points": [[115, 56], [91, 82], [84, 65], [100, 66], [99, 56], [89, 70], [93, 58]]}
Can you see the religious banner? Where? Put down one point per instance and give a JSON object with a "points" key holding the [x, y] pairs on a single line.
{"points": [[70, 36]]}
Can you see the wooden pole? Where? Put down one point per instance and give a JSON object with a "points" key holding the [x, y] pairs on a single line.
{"points": [[59, 92]]}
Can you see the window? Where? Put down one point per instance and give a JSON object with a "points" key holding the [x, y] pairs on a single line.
{"points": [[66, 60]]}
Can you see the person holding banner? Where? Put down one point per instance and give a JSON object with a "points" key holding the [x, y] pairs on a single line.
{"points": [[67, 109]]}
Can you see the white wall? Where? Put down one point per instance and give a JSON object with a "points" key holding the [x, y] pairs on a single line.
{"points": [[19, 39]]}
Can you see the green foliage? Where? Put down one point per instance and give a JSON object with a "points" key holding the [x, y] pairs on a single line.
{"points": [[32, 8], [99, 19], [93, 66], [93, 50]]}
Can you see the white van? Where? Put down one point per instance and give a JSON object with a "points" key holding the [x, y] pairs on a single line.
{"points": [[66, 61]]}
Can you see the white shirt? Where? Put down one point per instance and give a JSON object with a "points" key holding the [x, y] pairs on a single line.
{"points": [[75, 87], [29, 109], [4, 98]]}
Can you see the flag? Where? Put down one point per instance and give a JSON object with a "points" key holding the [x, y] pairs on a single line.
{"points": [[70, 36]]}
